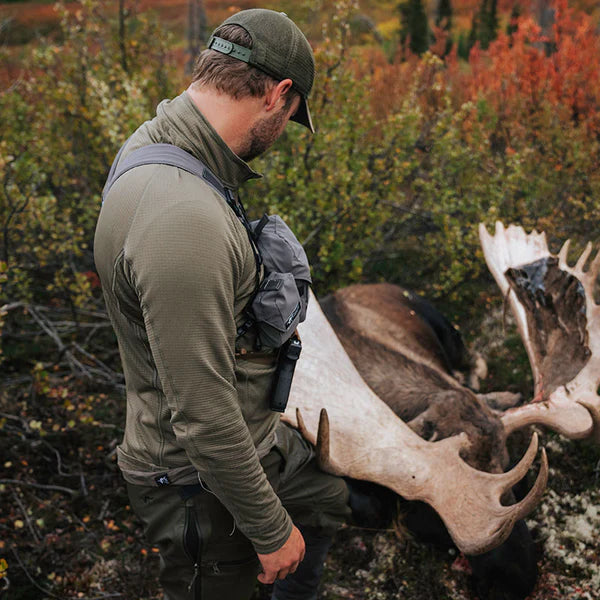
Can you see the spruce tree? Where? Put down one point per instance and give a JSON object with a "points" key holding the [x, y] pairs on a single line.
{"points": [[464, 46], [443, 17], [514, 15], [414, 25], [484, 28]]}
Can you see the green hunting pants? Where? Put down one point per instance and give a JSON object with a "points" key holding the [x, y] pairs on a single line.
{"points": [[191, 527]]}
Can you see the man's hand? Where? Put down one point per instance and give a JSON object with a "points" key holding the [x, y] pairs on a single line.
{"points": [[278, 564]]}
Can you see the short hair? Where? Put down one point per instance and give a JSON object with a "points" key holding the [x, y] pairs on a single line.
{"points": [[230, 75]]}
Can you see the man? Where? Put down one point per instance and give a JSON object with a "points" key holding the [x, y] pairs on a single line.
{"points": [[222, 487]]}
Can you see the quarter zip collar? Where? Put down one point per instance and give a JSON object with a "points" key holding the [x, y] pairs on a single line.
{"points": [[180, 122]]}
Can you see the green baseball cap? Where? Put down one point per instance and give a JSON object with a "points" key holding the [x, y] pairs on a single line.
{"points": [[279, 49]]}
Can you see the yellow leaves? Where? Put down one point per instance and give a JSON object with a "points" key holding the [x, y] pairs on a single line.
{"points": [[19, 524], [389, 29], [3, 566]]}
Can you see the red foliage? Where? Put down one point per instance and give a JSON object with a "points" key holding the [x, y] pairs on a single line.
{"points": [[521, 72], [93, 278]]}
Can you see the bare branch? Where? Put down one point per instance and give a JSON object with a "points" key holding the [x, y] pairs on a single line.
{"points": [[36, 537], [40, 486]]}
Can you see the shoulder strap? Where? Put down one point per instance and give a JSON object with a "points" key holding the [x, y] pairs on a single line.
{"points": [[173, 156], [163, 154]]}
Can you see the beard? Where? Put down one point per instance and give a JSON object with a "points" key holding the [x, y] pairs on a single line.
{"points": [[262, 135]]}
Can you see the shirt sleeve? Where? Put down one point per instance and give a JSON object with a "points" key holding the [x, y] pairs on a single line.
{"points": [[187, 262]]}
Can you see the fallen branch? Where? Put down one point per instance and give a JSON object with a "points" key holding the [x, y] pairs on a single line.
{"points": [[40, 486]]}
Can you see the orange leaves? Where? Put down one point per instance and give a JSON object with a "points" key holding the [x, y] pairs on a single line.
{"points": [[532, 68]]}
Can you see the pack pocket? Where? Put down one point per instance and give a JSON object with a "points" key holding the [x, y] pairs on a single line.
{"points": [[277, 308]]}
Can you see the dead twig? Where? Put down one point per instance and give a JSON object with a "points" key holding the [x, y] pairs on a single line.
{"points": [[40, 486], [31, 579], [104, 509], [97, 371], [26, 516]]}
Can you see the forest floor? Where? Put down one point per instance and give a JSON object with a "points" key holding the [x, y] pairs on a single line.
{"points": [[66, 530]]}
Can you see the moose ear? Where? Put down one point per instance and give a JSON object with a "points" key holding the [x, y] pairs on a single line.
{"points": [[559, 323], [359, 436]]}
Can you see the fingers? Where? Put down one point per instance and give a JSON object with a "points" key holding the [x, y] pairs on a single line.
{"points": [[282, 562], [271, 576], [267, 578], [294, 567]]}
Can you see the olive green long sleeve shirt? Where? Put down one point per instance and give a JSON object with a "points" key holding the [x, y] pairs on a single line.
{"points": [[177, 271]]}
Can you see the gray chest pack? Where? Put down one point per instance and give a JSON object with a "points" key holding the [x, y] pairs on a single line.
{"points": [[281, 299]]}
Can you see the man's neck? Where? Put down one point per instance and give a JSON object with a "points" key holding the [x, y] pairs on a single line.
{"points": [[232, 119]]}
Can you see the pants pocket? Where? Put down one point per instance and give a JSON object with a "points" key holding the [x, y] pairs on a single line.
{"points": [[229, 578]]}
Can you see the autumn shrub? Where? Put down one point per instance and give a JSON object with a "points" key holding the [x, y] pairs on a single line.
{"points": [[61, 409], [538, 96], [330, 186], [77, 103]]}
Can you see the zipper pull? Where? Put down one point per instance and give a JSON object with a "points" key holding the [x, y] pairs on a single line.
{"points": [[193, 581], [215, 568]]}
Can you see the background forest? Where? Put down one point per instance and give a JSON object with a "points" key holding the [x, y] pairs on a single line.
{"points": [[431, 118]]}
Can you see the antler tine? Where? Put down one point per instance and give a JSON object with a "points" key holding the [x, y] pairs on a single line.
{"points": [[583, 258], [517, 473], [499, 228], [594, 268], [322, 445], [564, 254], [301, 425], [594, 410], [500, 519], [525, 506], [551, 414], [322, 441], [513, 513]]}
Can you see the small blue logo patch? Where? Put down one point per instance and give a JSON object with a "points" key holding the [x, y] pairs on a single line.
{"points": [[162, 480]]}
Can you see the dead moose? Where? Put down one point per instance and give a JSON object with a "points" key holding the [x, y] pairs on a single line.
{"points": [[458, 468]]}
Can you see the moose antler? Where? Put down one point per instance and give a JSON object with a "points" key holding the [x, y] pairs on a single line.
{"points": [[559, 322], [359, 436]]}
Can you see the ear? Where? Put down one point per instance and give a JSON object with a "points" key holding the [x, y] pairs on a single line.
{"points": [[276, 94]]}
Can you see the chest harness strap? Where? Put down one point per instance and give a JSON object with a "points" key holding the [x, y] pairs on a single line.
{"points": [[173, 156]]}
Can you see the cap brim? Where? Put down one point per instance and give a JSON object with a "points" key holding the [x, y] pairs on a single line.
{"points": [[302, 115]]}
